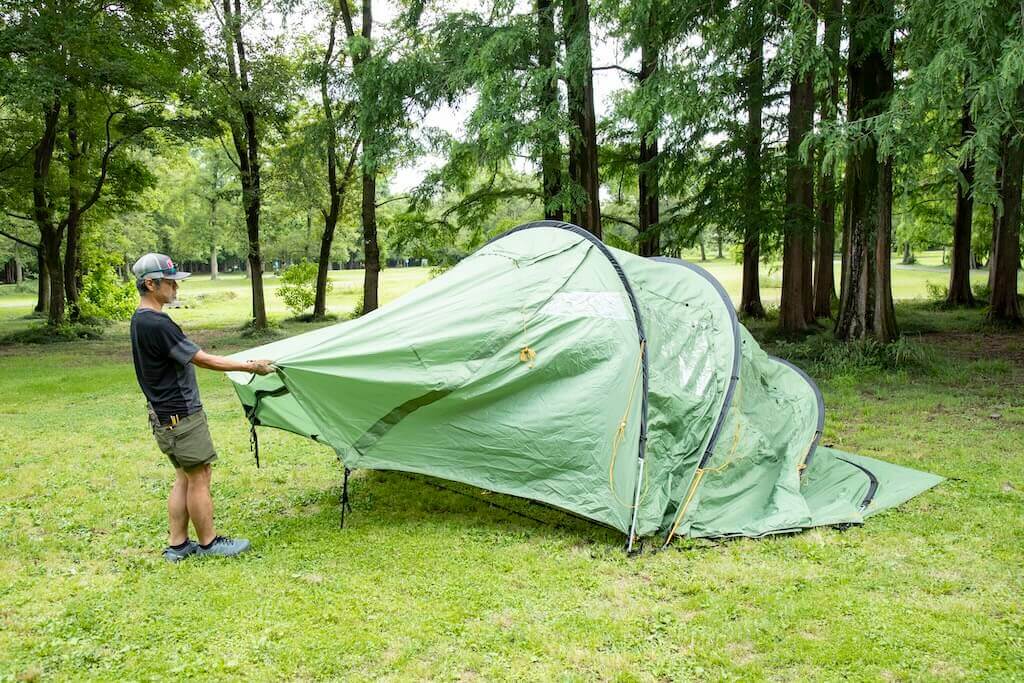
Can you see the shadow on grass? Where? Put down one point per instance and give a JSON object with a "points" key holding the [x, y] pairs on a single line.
{"points": [[404, 504]]}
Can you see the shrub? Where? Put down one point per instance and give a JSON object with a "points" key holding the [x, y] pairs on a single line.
{"points": [[936, 292], [104, 296], [44, 334], [298, 286], [981, 291], [826, 356]]}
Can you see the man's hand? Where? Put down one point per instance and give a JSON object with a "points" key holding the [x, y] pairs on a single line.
{"points": [[261, 367], [222, 364]]}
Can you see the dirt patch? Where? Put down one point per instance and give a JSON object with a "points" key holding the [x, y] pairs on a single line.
{"points": [[1008, 346]]}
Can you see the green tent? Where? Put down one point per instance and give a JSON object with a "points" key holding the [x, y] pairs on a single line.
{"points": [[549, 366]]}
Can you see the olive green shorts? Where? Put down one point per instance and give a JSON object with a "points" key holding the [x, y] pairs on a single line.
{"points": [[188, 443]]}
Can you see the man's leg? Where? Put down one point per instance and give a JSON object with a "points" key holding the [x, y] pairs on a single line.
{"points": [[200, 503], [177, 508]]}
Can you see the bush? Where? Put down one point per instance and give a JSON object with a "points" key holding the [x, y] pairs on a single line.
{"points": [[104, 296], [44, 334], [826, 356], [936, 292], [298, 286]]}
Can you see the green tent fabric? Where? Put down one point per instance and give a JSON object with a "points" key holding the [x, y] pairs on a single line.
{"points": [[549, 366]]}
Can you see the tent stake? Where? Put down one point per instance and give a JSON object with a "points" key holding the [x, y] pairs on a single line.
{"points": [[344, 499], [254, 443]]}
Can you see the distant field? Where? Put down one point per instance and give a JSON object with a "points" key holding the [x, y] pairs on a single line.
{"points": [[228, 298]]}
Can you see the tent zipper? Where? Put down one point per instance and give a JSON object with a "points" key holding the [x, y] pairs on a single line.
{"points": [[872, 484]]}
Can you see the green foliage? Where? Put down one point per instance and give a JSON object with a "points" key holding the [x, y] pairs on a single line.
{"points": [[298, 286], [981, 291], [937, 292], [104, 295], [47, 334], [827, 357]]}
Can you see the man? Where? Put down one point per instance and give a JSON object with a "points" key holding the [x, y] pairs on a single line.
{"points": [[164, 365]]}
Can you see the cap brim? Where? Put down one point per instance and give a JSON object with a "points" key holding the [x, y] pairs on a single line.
{"points": [[180, 275]]}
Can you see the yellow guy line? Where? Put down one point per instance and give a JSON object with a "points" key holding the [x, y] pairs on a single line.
{"points": [[620, 435]]}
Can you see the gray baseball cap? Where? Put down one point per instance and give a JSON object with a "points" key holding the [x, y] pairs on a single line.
{"points": [[158, 266]]}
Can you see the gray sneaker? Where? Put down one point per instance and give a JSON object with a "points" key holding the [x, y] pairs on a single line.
{"points": [[179, 554], [223, 546]]}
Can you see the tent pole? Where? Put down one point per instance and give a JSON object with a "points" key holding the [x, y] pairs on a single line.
{"points": [[636, 505]]}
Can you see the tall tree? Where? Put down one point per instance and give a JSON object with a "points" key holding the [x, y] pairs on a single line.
{"points": [[583, 167], [336, 187], [866, 305], [751, 208], [960, 260], [825, 233], [245, 137], [549, 109], [1004, 306], [799, 209], [649, 198]]}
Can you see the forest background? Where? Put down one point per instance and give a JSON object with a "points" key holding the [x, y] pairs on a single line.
{"points": [[254, 135]]}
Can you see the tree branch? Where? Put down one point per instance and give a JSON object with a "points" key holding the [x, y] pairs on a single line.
{"points": [[618, 219], [634, 74], [346, 16], [220, 139], [19, 240], [392, 199]]}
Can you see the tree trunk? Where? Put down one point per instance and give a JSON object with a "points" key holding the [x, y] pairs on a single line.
{"points": [[908, 255], [825, 233], [246, 142], [885, 312], [992, 256], [807, 264], [55, 271], [869, 185], [1004, 306], [51, 235], [797, 291], [718, 240], [649, 240], [43, 285], [331, 215], [327, 240], [703, 256], [214, 265], [19, 275], [580, 91], [73, 251], [550, 145], [960, 263], [825, 246], [371, 249], [750, 297], [368, 168]]}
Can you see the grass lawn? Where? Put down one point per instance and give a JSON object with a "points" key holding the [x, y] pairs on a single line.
{"points": [[432, 584]]}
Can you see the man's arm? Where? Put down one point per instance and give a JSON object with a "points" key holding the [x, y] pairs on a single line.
{"points": [[222, 364]]}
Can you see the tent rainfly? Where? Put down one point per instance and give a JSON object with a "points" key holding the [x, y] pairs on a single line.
{"points": [[551, 367]]}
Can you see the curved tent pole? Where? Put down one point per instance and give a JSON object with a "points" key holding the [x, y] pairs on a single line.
{"points": [[729, 392], [821, 412], [642, 449]]}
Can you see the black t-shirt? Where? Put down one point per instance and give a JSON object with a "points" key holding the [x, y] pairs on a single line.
{"points": [[163, 364]]}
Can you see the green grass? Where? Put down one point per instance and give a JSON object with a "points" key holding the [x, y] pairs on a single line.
{"points": [[428, 584]]}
